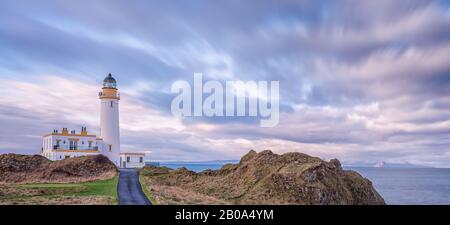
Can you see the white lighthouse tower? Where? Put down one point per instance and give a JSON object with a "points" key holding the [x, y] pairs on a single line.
{"points": [[109, 119], [62, 145]]}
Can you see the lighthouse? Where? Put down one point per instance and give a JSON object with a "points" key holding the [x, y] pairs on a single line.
{"points": [[60, 145], [109, 119]]}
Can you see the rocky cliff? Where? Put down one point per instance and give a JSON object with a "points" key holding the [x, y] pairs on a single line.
{"points": [[267, 178], [15, 168]]}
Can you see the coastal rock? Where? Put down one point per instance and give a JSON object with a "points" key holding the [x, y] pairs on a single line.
{"points": [[268, 178], [248, 156], [15, 168]]}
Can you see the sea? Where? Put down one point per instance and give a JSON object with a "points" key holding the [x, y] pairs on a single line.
{"points": [[398, 186]]}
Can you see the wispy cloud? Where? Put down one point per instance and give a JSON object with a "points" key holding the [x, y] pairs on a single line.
{"points": [[359, 80]]}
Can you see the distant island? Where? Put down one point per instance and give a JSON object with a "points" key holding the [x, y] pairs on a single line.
{"points": [[383, 164], [199, 165]]}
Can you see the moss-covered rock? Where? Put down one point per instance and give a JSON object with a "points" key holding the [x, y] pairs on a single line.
{"points": [[268, 178], [15, 168]]}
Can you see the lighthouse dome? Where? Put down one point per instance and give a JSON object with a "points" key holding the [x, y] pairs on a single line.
{"points": [[109, 82]]}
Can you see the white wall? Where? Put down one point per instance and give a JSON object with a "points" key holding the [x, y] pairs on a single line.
{"points": [[62, 155], [134, 161], [109, 128], [83, 144]]}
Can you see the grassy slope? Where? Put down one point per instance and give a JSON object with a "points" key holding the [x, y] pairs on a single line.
{"points": [[145, 189], [106, 188]]}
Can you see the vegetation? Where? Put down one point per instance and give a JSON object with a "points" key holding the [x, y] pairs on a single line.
{"points": [[95, 192], [263, 178], [145, 189], [15, 168]]}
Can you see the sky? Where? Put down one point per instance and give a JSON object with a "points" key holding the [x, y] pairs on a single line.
{"points": [[361, 81]]}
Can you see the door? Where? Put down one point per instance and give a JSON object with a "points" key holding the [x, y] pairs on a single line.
{"points": [[124, 164]]}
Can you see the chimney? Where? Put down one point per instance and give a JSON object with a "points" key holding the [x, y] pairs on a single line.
{"points": [[83, 131]]}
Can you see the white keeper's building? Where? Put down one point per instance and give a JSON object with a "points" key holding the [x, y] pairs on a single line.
{"points": [[61, 145]]}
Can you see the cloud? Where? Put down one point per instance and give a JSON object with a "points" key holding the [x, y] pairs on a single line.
{"points": [[359, 80]]}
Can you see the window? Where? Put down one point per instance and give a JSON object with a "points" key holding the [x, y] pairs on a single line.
{"points": [[111, 104], [82, 142], [110, 148], [128, 159], [73, 145], [90, 144], [66, 156], [141, 159]]}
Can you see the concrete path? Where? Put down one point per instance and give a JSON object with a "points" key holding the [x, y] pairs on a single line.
{"points": [[129, 188]]}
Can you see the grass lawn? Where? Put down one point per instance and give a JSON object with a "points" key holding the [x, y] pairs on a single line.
{"points": [[95, 189]]}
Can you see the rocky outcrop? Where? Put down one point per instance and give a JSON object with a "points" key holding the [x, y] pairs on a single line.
{"points": [[268, 178], [15, 168]]}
